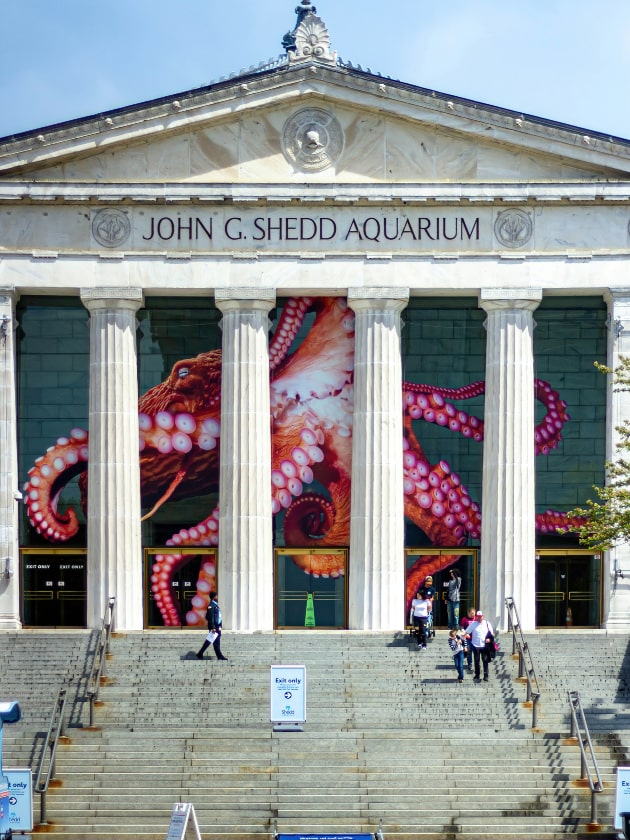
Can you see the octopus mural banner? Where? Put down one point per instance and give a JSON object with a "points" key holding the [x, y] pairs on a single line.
{"points": [[311, 388]]}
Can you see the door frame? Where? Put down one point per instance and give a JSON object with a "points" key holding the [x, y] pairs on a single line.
{"points": [[53, 552], [571, 552], [300, 595]]}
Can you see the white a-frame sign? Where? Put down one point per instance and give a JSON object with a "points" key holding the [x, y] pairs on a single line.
{"points": [[182, 813]]}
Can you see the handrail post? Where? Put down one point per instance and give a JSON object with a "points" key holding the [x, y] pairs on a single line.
{"points": [[579, 731], [525, 669], [100, 655], [55, 731], [535, 710]]}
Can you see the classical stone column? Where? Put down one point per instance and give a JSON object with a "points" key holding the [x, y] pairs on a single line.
{"points": [[9, 534], [113, 527], [508, 530], [245, 572], [617, 588], [376, 575]]}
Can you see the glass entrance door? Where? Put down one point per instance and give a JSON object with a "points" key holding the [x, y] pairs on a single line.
{"points": [[54, 587], [438, 562], [568, 589], [311, 588]]}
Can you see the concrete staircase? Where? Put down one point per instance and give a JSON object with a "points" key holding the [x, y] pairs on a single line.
{"points": [[34, 666], [390, 735]]}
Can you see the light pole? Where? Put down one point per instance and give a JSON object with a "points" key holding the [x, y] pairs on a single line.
{"points": [[9, 713]]}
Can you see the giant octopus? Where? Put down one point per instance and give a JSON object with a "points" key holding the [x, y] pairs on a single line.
{"points": [[311, 392]]}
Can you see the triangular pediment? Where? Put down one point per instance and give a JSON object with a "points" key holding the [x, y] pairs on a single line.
{"points": [[312, 123]]}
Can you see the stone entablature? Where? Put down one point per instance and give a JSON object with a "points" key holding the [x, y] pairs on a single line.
{"points": [[329, 229]]}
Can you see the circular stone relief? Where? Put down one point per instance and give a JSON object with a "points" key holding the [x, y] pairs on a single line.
{"points": [[111, 228], [312, 140], [513, 228]]}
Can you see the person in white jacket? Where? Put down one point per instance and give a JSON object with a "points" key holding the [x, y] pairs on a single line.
{"points": [[478, 633]]}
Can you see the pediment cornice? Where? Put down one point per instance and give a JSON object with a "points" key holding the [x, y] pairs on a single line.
{"points": [[310, 82], [370, 195]]}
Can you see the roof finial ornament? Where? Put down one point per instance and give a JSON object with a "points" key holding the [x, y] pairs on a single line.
{"points": [[309, 39]]}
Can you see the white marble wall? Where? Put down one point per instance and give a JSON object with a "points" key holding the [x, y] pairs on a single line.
{"points": [[245, 569], [113, 516], [377, 527], [616, 587], [9, 487]]}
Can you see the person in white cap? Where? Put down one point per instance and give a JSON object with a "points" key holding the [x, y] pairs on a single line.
{"points": [[478, 632]]}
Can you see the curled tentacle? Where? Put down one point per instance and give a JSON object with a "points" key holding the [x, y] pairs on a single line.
{"points": [[47, 479], [547, 433], [308, 519], [162, 573], [288, 327], [206, 533]]}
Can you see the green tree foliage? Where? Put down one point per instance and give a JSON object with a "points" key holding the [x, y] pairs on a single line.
{"points": [[606, 522]]}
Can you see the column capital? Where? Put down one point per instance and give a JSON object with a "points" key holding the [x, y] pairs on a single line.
{"points": [[245, 299], [617, 296], [382, 298], [8, 294], [505, 299], [112, 298]]}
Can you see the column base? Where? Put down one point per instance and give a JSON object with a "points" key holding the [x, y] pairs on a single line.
{"points": [[10, 623]]}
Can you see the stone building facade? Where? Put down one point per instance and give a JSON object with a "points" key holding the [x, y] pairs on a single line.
{"points": [[352, 323]]}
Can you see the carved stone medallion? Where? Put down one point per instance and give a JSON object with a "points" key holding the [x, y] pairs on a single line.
{"points": [[312, 139], [513, 228], [111, 228]]}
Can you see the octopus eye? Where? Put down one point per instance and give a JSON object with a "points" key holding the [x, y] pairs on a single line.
{"points": [[183, 372]]}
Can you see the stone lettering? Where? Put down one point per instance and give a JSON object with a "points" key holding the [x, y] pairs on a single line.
{"points": [[186, 229], [344, 227]]}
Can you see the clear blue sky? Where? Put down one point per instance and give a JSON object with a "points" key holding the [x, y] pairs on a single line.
{"points": [[567, 60]]}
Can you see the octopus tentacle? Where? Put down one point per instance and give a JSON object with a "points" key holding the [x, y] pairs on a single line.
{"points": [[319, 565], [288, 327], [428, 564], [435, 499], [557, 522], [464, 392], [164, 568], [547, 433], [47, 478], [432, 407], [291, 473], [168, 432], [206, 533]]}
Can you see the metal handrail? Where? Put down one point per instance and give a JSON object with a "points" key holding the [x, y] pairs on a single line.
{"points": [[525, 661], [100, 656], [46, 765], [579, 730]]}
